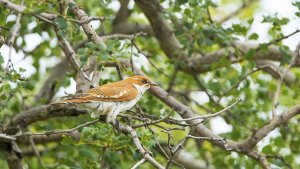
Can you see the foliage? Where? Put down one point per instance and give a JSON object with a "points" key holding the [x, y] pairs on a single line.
{"points": [[196, 26]]}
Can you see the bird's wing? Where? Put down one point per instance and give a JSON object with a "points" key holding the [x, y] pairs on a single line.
{"points": [[105, 93]]}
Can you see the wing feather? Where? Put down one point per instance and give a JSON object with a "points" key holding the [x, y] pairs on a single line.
{"points": [[105, 93]]}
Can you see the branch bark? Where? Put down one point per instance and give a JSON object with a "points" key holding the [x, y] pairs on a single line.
{"points": [[202, 131], [41, 113], [252, 140], [21, 9], [121, 25], [184, 158], [196, 63], [135, 139], [90, 32]]}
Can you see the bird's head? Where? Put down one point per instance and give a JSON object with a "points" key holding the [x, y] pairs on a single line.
{"points": [[141, 81]]}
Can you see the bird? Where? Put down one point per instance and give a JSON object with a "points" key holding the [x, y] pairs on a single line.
{"points": [[112, 98]]}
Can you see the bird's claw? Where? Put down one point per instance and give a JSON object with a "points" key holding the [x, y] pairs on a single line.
{"points": [[102, 118], [116, 125]]}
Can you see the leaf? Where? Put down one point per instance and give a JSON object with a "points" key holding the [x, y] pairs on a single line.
{"points": [[249, 55], [1, 59], [240, 29], [267, 149], [250, 21], [72, 5], [68, 140], [263, 48], [253, 36], [286, 56], [61, 23], [275, 20], [297, 4]]}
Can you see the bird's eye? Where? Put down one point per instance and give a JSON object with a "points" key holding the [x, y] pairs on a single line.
{"points": [[144, 81]]}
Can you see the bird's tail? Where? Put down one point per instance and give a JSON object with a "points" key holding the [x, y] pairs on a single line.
{"points": [[78, 98]]}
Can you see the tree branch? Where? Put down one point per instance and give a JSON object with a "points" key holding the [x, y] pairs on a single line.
{"points": [[14, 35], [21, 9], [197, 63], [252, 140], [200, 129], [128, 130], [83, 17], [42, 113]]}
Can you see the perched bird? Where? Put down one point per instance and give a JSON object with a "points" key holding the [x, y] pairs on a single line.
{"points": [[112, 98]]}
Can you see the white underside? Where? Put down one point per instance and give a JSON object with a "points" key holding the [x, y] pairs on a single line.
{"points": [[112, 109]]}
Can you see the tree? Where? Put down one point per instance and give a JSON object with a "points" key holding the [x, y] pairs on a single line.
{"points": [[182, 45]]}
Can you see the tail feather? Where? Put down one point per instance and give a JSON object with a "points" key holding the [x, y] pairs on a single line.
{"points": [[76, 100], [71, 99]]}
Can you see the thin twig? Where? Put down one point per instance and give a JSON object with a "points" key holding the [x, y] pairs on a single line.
{"points": [[102, 158], [223, 140], [92, 18], [138, 164], [280, 80], [210, 115], [209, 15], [278, 39], [36, 152], [281, 159], [148, 57], [153, 122], [236, 12], [14, 35], [172, 80], [124, 36], [68, 49], [136, 141], [174, 151], [59, 131], [242, 79]]}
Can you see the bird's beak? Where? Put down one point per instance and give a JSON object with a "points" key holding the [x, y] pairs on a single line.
{"points": [[153, 84]]}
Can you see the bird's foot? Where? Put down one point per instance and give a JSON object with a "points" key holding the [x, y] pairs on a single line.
{"points": [[102, 118], [116, 125]]}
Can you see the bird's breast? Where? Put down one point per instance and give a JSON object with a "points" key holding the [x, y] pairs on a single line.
{"points": [[117, 106]]}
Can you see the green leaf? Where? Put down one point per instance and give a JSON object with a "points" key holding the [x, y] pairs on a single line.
{"points": [[267, 149], [250, 21], [279, 142], [264, 48], [249, 55], [1, 59], [239, 29], [3, 97], [61, 23], [72, 5], [67, 140], [297, 4], [253, 36], [275, 20], [286, 56]]}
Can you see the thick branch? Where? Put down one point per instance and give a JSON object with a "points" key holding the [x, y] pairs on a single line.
{"points": [[41, 139], [252, 140], [43, 113], [90, 32], [202, 131], [139, 146], [21, 9], [121, 25], [13, 155], [161, 27], [196, 63]]}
